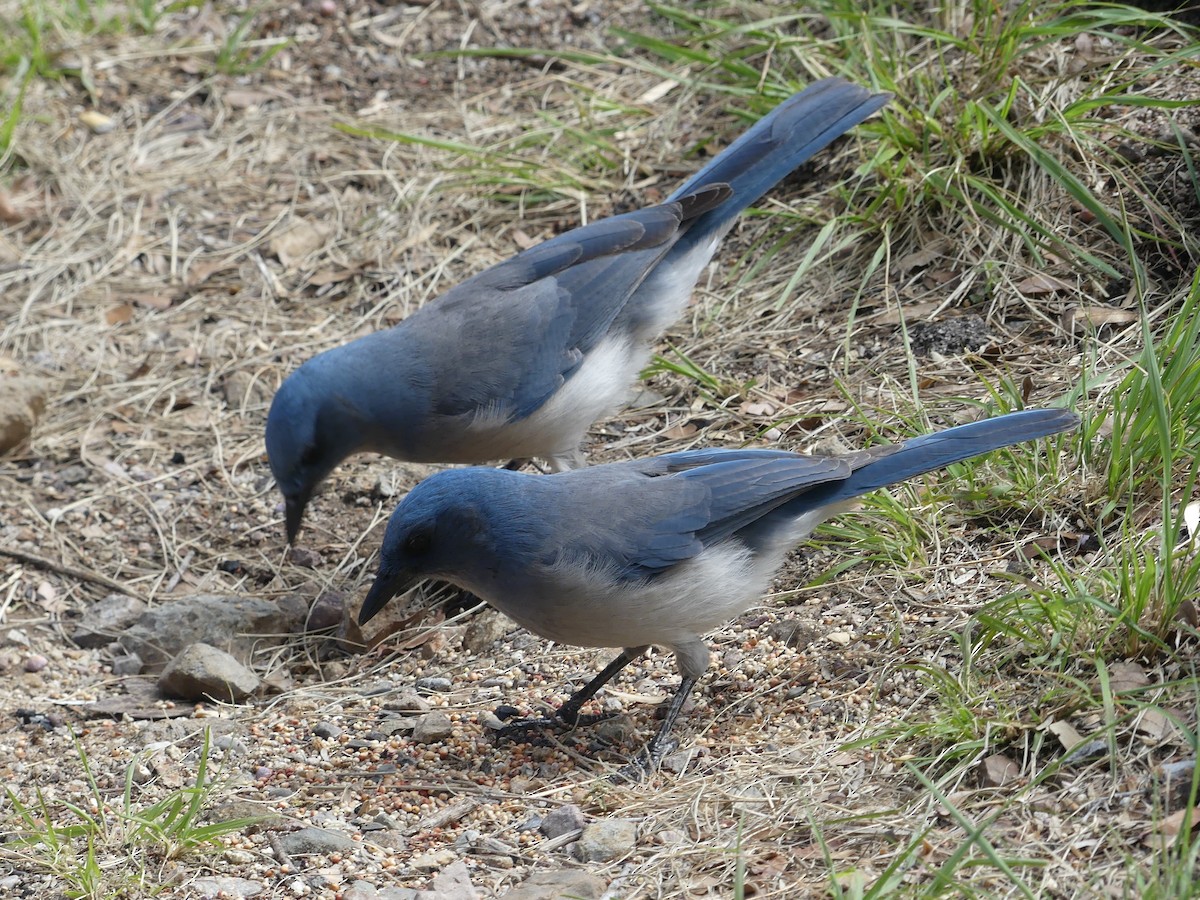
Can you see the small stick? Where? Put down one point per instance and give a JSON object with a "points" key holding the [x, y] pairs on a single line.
{"points": [[44, 562]]}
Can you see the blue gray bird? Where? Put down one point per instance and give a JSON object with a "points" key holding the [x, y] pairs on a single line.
{"points": [[518, 361], [656, 551]]}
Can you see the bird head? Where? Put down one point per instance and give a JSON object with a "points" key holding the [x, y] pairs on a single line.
{"points": [[310, 430], [440, 530]]}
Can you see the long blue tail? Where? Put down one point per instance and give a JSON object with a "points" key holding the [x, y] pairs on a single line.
{"points": [[785, 138], [933, 451]]}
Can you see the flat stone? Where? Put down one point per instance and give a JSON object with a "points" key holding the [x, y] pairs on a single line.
{"points": [[105, 621], [202, 670], [316, 840], [562, 821], [360, 890], [124, 664], [566, 884], [606, 839], [454, 883], [485, 628], [233, 623], [432, 727], [225, 886]]}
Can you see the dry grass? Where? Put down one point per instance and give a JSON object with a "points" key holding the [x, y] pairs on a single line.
{"points": [[167, 275]]}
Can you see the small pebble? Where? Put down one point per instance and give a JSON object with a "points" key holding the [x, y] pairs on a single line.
{"points": [[434, 684], [97, 122], [327, 730], [36, 663]]}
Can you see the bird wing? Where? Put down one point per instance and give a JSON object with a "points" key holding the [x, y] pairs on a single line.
{"points": [[542, 311], [676, 505]]}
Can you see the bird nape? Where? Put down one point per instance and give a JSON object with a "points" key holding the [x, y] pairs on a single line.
{"points": [[651, 552], [521, 359]]}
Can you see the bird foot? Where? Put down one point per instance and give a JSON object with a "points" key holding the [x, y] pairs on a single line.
{"points": [[641, 766], [522, 727]]}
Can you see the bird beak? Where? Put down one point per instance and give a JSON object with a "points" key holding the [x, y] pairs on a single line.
{"points": [[386, 586], [293, 505]]}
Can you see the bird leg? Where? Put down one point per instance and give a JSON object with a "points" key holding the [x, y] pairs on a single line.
{"points": [[662, 743], [568, 713]]}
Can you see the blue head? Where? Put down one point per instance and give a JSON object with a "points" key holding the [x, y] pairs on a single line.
{"points": [[460, 525], [312, 426]]}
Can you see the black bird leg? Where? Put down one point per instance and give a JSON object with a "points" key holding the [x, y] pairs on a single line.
{"points": [[568, 713], [662, 743]]}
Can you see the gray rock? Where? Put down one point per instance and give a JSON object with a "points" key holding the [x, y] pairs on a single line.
{"points": [[432, 727], [105, 621], [360, 890], [678, 761], [454, 883], [562, 821], [234, 623], [316, 840], [479, 844], [567, 884], [407, 701], [202, 670], [794, 633], [326, 612], [606, 839], [127, 664], [397, 725], [400, 893], [487, 627], [326, 730], [225, 886]]}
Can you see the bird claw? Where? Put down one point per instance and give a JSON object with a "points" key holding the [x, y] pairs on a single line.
{"points": [[522, 727], [641, 766]]}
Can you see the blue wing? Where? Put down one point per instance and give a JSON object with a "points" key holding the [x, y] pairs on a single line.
{"points": [[542, 311]]}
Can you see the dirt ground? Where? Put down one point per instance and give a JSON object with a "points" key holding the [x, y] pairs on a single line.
{"points": [[161, 278]]}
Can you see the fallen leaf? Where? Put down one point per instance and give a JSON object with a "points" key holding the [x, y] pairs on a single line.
{"points": [[1166, 832], [998, 770], [152, 300], [769, 866], [199, 272], [245, 99], [522, 240], [657, 92], [1191, 518], [633, 698], [1042, 284], [97, 122], [1127, 676], [1154, 724], [682, 430], [1079, 319], [1065, 732], [303, 238], [119, 315], [331, 275], [921, 258]]}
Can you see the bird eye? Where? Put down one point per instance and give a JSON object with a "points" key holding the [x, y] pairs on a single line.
{"points": [[418, 543], [311, 456]]}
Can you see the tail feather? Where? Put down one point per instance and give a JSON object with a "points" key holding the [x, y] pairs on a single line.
{"points": [[934, 451], [777, 144]]}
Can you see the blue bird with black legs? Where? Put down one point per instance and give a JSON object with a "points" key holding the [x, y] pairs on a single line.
{"points": [[656, 551]]}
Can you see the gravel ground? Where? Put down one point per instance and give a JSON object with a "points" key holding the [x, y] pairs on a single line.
{"points": [[161, 277]]}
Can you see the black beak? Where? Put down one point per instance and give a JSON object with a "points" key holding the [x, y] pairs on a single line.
{"points": [[386, 586], [293, 505]]}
